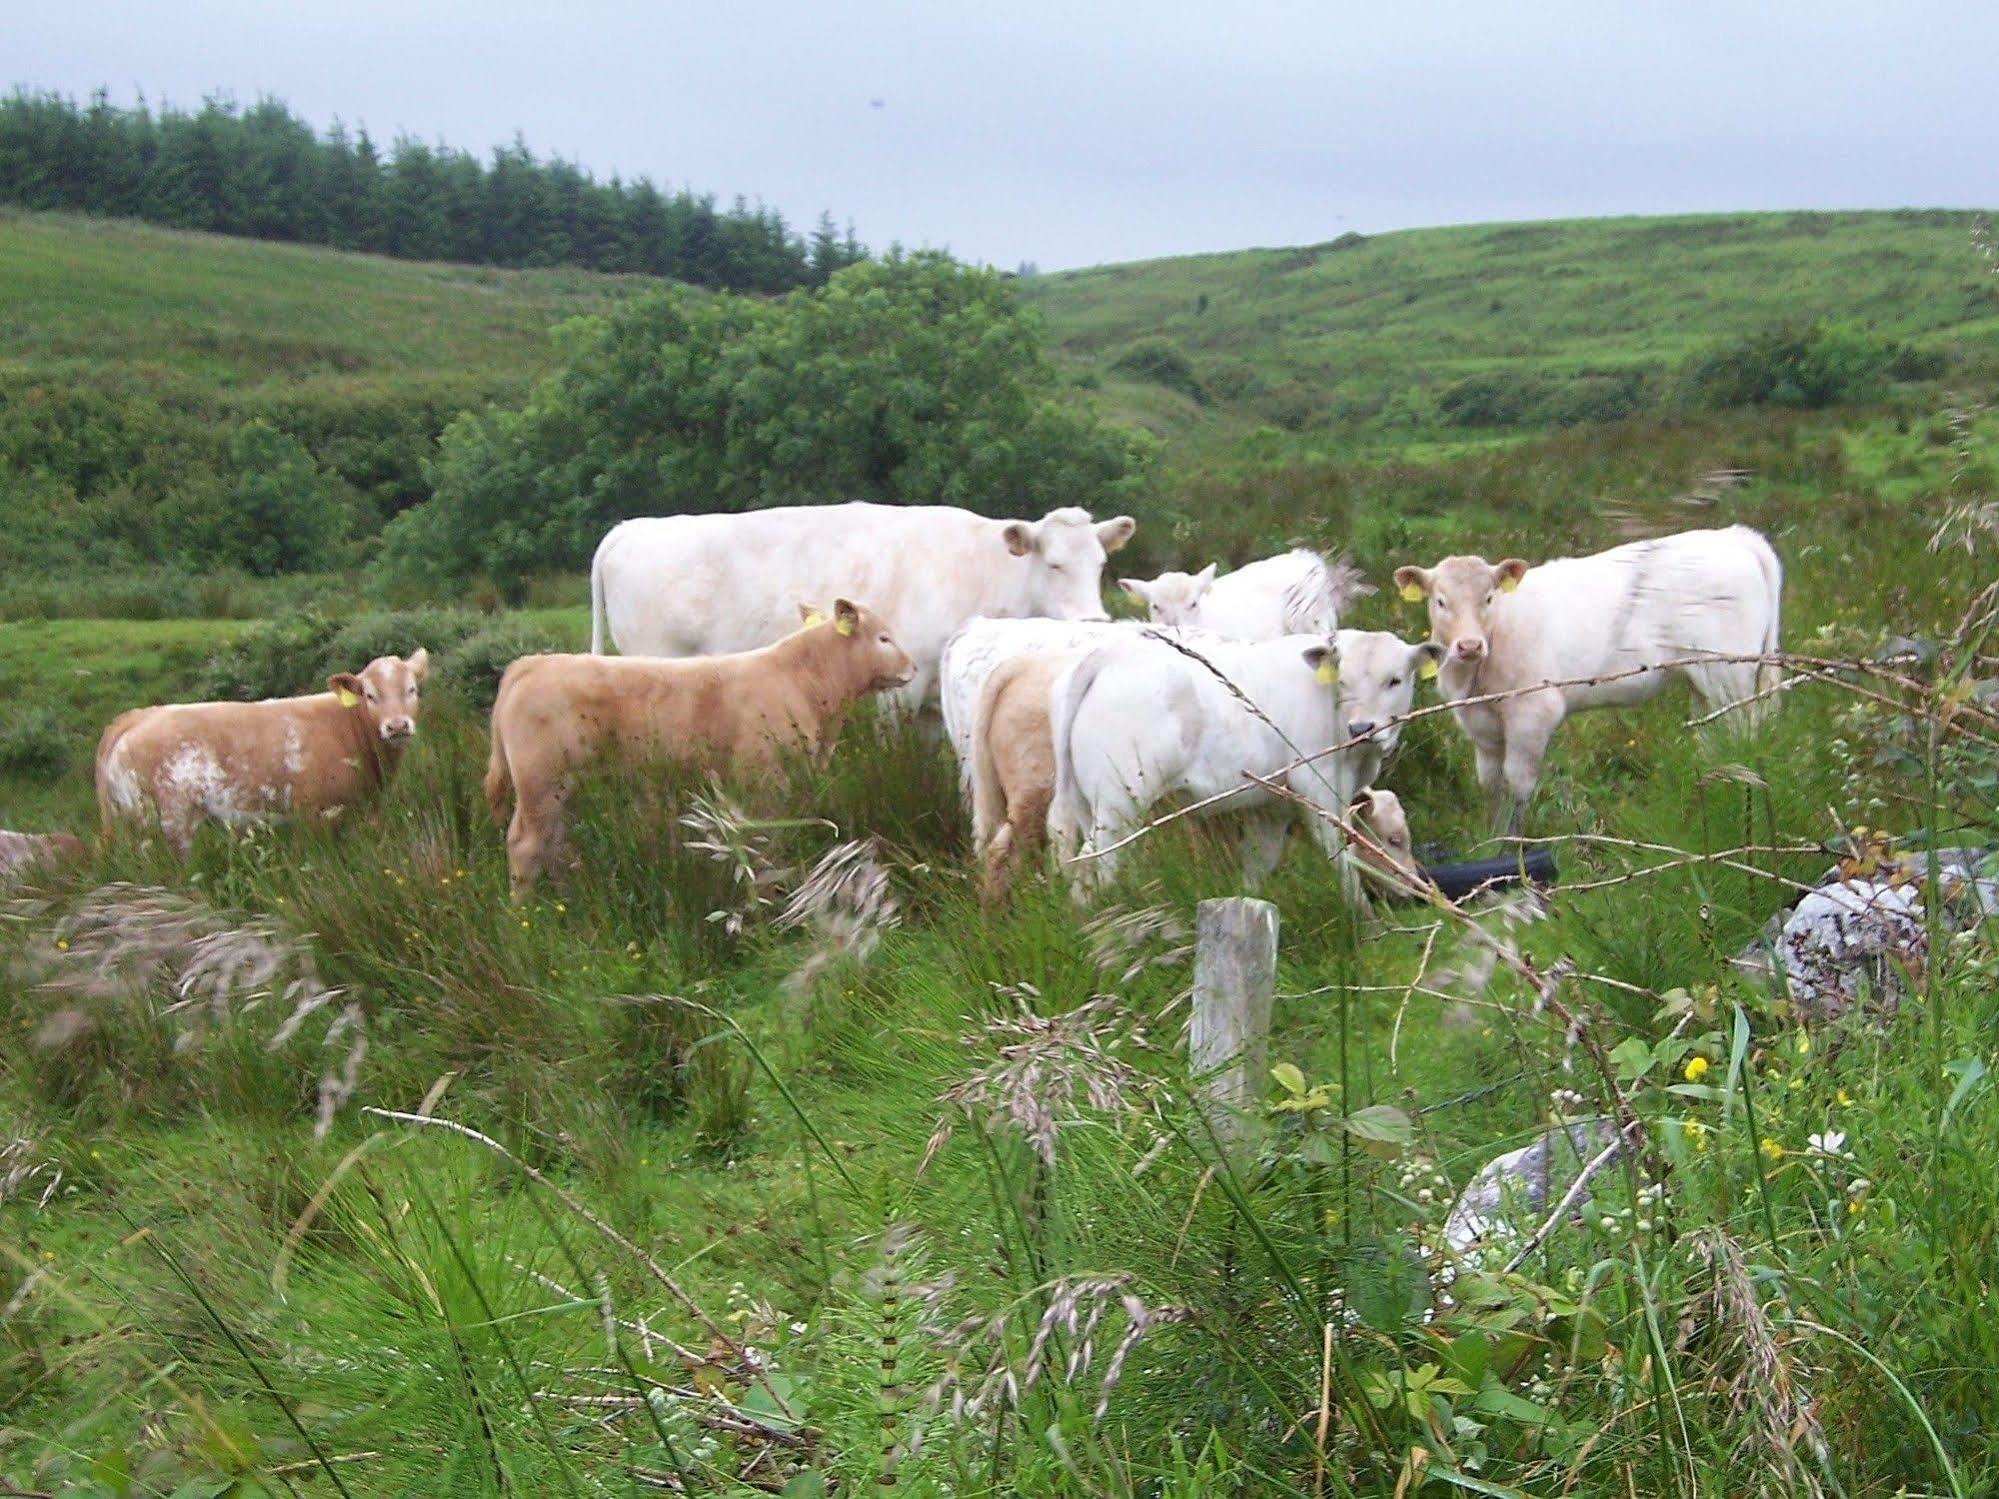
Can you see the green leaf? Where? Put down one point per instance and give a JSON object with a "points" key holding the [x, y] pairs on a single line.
{"points": [[1969, 1072], [804, 1486], [1381, 1122], [1632, 1058], [1289, 1078]]}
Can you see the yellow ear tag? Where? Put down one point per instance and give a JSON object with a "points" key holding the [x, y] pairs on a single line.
{"points": [[814, 618], [844, 625], [347, 699], [1328, 673], [1411, 593], [1428, 671], [1508, 583]]}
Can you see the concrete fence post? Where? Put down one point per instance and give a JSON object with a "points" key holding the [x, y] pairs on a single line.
{"points": [[1235, 979]]}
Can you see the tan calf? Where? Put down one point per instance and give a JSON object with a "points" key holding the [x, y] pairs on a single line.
{"points": [[557, 714], [1013, 763], [236, 763]]}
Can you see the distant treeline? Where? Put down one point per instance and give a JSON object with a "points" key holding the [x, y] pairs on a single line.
{"points": [[264, 173]]}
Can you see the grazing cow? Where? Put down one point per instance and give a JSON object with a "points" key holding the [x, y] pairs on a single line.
{"points": [[1628, 612], [1296, 593], [1139, 721], [22, 852], [251, 762], [1378, 816], [556, 714], [689, 585]]}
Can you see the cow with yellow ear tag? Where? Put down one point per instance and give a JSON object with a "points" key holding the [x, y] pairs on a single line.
{"points": [[1222, 722], [1525, 646]]}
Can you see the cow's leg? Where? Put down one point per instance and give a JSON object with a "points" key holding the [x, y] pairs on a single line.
{"points": [[999, 863], [1531, 722], [1333, 843], [1488, 746], [534, 836], [1262, 836], [179, 817]]}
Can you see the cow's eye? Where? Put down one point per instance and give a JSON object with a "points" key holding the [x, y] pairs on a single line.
{"points": [[1395, 681]]}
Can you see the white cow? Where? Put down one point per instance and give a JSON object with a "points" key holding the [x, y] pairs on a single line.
{"points": [[1511, 628], [1295, 593], [1139, 720], [689, 585], [974, 651]]}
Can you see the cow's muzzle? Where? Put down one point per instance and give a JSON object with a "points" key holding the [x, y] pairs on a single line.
{"points": [[1471, 648], [1360, 728], [395, 730]]}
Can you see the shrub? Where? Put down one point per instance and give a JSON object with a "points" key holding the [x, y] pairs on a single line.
{"points": [[284, 515], [278, 658], [397, 633], [472, 668], [1162, 363], [1811, 366], [34, 746]]}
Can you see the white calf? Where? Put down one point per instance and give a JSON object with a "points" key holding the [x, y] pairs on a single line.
{"points": [[1510, 628]]}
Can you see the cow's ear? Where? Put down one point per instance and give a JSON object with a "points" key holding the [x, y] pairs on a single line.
{"points": [[1325, 663], [1138, 588], [1506, 575], [419, 664], [1426, 658], [1413, 583], [846, 615], [1204, 579], [346, 687], [1362, 804], [810, 614], [1018, 536], [1116, 531]]}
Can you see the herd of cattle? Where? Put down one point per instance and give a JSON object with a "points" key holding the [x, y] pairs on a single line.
{"points": [[745, 636]]}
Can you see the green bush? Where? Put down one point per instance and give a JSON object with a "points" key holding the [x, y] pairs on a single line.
{"points": [[35, 746], [1809, 366], [472, 667], [279, 658], [911, 379], [1162, 363], [398, 633]]}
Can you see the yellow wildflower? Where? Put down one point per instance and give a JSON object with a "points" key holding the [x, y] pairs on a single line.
{"points": [[1772, 1149], [1841, 1099], [1696, 1069], [1696, 1134]]}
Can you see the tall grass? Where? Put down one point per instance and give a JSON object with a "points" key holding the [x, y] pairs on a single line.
{"points": [[1079, 1291]]}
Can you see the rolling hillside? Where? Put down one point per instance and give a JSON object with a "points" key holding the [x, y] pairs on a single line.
{"points": [[1346, 330]]}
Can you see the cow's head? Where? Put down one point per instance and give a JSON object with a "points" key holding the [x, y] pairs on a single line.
{"points": [[1171, 598], [862, 637], [1065, 553], [1462, 594], [1378, 816], [384, 693], [1378, 673]]}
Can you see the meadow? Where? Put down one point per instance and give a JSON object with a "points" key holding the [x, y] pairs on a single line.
{"points": [[711, 1176]]}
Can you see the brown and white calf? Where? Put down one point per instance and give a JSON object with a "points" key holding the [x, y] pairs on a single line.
{"points": [[235, 763], [21, 853], [1594, 632], [556, 715]]}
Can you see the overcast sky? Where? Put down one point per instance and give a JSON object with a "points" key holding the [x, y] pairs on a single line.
{"points": [[1074, 133]]}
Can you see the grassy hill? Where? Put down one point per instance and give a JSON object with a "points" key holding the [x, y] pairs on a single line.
{"points": [[910, 1147], [1343, 331], [234, 322]]}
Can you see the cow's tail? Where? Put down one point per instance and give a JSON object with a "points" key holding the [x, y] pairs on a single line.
{"points": [[597, 631], [499, 784], [107, 810], [1769, 675], [1066, 811], [988, 798]]}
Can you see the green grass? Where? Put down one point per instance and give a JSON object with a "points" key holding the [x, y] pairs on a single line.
{"points": [[215, 1280], [219, 1297], [237, 322], [1315, 335]]}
